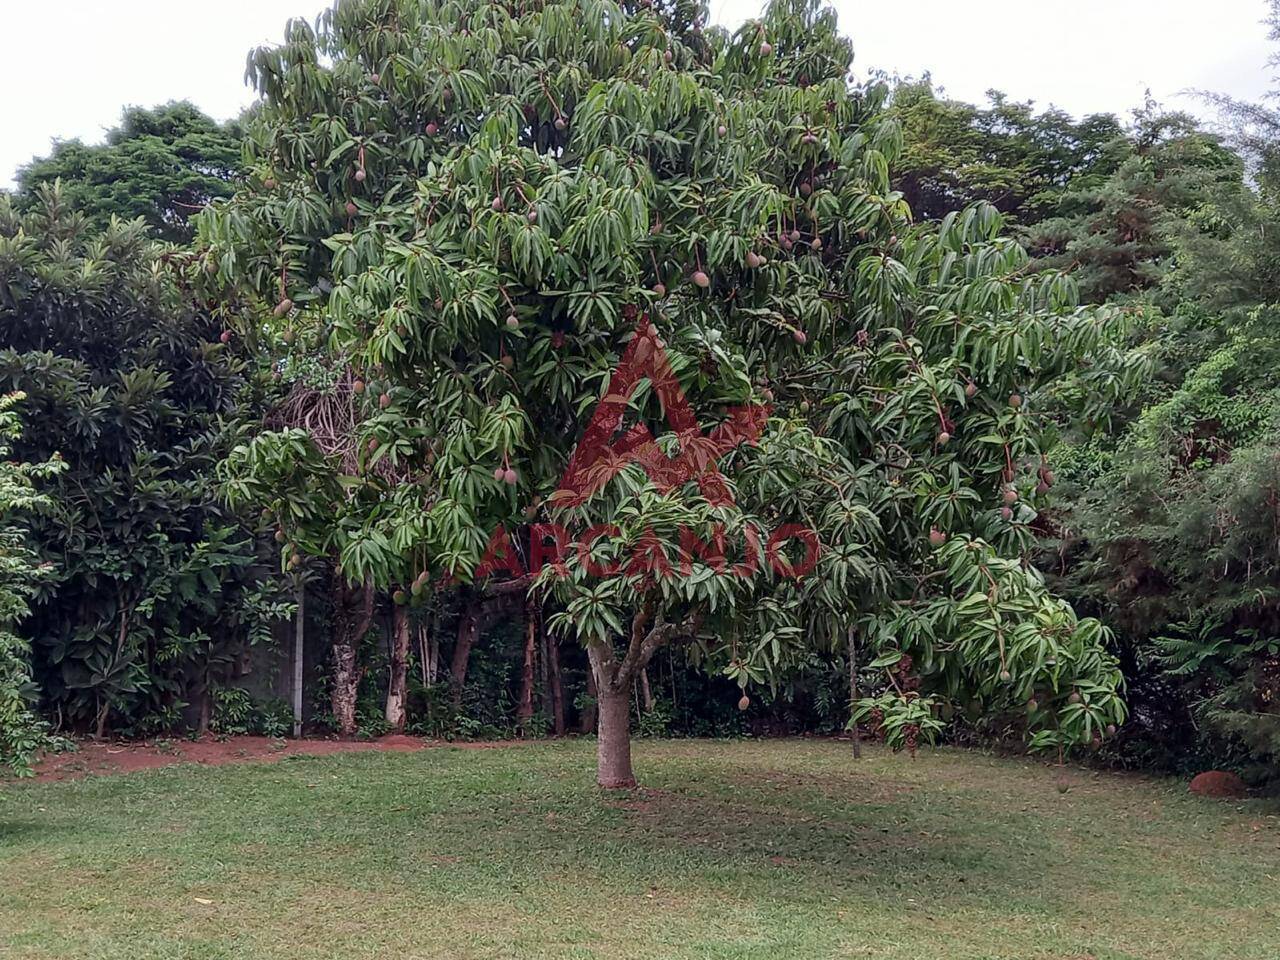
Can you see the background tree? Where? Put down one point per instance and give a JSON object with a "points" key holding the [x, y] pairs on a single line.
{"points": [[1115, 232], [155, 593], [22, 733], [162, 164], [1166, 531], [1166, 528], [308, 472], [1007, 154]]}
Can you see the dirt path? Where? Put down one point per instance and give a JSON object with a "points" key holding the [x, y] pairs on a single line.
{"points": [[98, 759]]}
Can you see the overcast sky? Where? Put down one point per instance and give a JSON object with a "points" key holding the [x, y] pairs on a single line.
{"points": [[69, 66]]}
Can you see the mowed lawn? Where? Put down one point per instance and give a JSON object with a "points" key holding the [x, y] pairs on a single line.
{"points": [[780, 849]]}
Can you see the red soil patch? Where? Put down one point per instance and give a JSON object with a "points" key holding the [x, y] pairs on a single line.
{"points": [[96, 759], [1216, 783]]}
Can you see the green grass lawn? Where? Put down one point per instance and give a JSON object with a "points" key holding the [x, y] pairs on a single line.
{"points": [[779, 849]]}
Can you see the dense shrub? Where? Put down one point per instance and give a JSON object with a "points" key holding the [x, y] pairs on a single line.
{"points": [[155, 591]]}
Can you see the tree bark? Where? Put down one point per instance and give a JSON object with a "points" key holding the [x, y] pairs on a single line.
{"points": [[353, 614], [398, 684], [646, 692], [206, 709], [544, 675], [468, 633], [204, 699], [428, 650], [587, 721], [524, 705], [299, 647], [614, 682], [554, 684], [853, 689], [426, 655], [474, 611], [613, 749], [100, 730]]}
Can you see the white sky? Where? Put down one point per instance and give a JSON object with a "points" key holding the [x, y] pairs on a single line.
{"points": [[70, 66]]}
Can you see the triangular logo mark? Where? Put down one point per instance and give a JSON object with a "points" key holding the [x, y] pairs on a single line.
{"points": [[599, 458]]}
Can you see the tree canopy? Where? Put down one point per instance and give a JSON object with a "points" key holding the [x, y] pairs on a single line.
{"points": [[22, 732], [1007, 153], [151, 585], [475, 211], [614, 343], [162, 165]]}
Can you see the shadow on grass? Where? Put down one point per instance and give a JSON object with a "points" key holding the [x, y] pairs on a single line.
{"points": [[19, 832], [777, 841]]}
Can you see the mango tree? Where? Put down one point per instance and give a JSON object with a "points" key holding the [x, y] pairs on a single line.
{"points": [[533, 224]]}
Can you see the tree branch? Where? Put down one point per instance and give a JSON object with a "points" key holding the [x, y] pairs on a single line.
{"points": [[507, 587], [642, 648]]}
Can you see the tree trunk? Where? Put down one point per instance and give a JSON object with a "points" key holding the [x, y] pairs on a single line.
{"points": [[544, 675], [468, 633], [853, 689], [613, 745], [524, 706], [202, 697], [399, 668], [299, 646], [206, 709], [587, 721], [646, 692], [346, 683], [428, 650], [100, 730], [352, 616], [554, 685], [615, 678]]}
